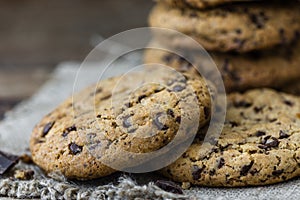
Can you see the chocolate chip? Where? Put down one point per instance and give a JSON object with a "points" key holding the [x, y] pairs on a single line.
{"points": [[128, 105], [196, 172], [7, 161], [178, 88], [212, 172], [158, 124], [68, 130], [233, 124], [71, 128], [47, 128], [257, 109], [242, 104], [269, 141], [253, 172], [262, 146], [170, 112], [245, 169], [277, 172], [178, 119], [169, 186], [126, 122], [238, 31], [283, 135], [221, 163], [263, 141], [141, 97], [260, 133], [258, 20], [75, 149], [289, 103], [65, 134]]}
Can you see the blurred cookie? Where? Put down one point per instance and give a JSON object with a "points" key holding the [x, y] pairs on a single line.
{"points": [[199, 4], [239, 28], [240, 72]]}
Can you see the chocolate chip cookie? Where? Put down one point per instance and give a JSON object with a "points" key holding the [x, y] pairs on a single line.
{"points": [[139, 112], [240, 72], [238, 28], [259, 145], [199, 4]]}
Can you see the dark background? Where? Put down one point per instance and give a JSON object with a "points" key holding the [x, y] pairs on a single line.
{"points": [[36, 35]]}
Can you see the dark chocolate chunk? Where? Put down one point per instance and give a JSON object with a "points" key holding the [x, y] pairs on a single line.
{"points": [[65, 134], [289, 103], [263, 141], [277, 172], [141, 97], [283, 135], [169, 186], [47, 128], [245, 169], [242, 104], [233, 124], [212, 172], [178, 88], [170, 112], [68, 130], [221, 163], [7, 161], [258, 20], [260, 133], [128, 105], [253, 172], [178, 119], [262, 146], [196, 172], [257, 109], [126, 122], [238, 31], [272, 142], [75, 149], [158, 124], [71, 128]]}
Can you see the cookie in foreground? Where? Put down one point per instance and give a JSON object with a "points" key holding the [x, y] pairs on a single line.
{"points": [[91, 129], [259, 145]]}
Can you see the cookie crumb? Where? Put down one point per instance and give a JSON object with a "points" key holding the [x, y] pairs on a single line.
{"points": [[24, 174], [186, 185]]}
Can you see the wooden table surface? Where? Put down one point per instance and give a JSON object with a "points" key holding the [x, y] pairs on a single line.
{"points": [[36, 35]]}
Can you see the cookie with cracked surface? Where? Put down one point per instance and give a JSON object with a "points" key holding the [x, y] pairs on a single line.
{"points": [[133, 113], [259, 145], [240, 72], [199, 4], [238, 28]]}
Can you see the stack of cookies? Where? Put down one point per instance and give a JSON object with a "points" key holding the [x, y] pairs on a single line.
{"points": [[254, 44]]}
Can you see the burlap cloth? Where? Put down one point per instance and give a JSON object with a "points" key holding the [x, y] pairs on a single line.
{"points": [[15, 131]]}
